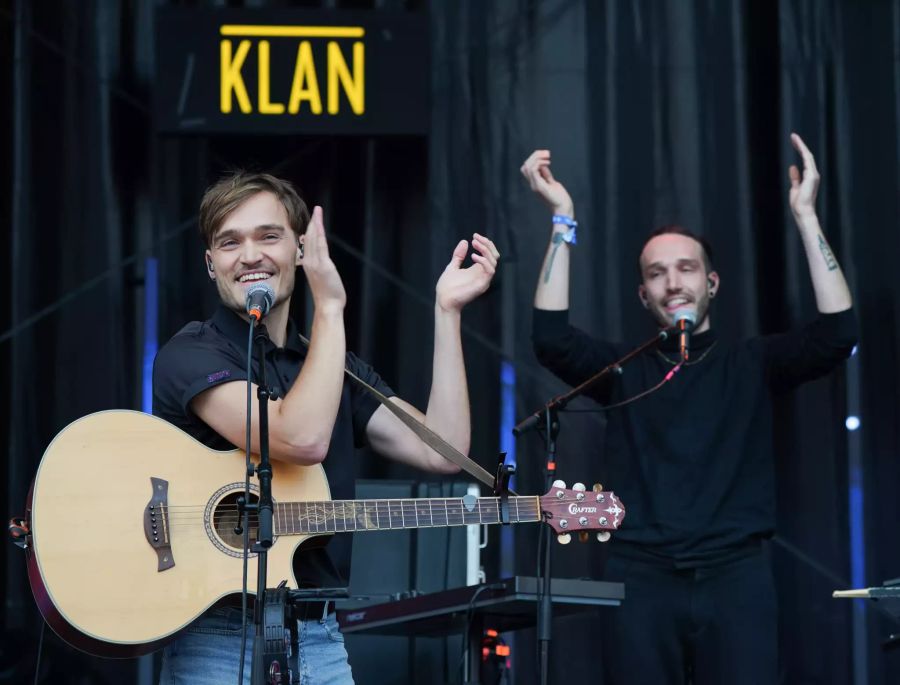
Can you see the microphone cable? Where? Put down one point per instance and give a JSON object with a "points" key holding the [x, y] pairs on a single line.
{"points": [[246, 516], [470, 614], [40, 649], [606, 407]]}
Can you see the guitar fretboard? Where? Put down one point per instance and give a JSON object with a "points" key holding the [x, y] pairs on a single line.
{"points": [[338, 516]]}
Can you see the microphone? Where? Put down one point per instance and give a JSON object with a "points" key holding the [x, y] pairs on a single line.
{"points": [[527, 424], [684, 324], [260, 298]]}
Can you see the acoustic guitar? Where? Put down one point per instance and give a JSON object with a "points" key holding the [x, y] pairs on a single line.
{"points": [[133, 527]]}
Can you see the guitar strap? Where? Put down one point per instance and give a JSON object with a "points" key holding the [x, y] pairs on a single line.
{"points": [[428, 436]]}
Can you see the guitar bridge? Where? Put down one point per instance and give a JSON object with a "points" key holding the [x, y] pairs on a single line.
{"points": [[156, 523]]}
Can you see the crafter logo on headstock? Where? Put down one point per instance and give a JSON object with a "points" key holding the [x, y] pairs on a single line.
{"points": [[321, 70]]}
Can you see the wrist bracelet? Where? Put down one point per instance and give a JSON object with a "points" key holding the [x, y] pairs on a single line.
{"points": [[567, 236]]}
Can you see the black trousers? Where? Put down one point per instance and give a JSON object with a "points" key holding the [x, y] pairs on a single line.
{"points": [[715, 625]]}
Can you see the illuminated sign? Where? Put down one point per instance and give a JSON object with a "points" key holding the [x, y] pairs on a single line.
{"points": [[291, 71]]}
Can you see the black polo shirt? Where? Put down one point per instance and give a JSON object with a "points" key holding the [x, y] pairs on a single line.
{"points": [[205, 354]]}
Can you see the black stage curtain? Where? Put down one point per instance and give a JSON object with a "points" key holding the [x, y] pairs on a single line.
{"points": [[680, 112], [656, 112]]}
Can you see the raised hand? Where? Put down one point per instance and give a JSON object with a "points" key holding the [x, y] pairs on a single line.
{"points": [[458, 286], [536, 171], [324, 281], [803, 189]]}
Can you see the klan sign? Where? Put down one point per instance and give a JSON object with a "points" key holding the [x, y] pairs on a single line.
{"points": [[291, 71]]}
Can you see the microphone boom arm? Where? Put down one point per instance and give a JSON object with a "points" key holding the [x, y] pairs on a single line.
{"points": [[559, 402]]}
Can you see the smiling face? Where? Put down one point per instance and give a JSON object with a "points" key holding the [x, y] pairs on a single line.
{"points": [[254, 244], [674, 276]]}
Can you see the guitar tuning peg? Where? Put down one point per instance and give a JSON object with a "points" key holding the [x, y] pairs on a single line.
{"points": [[603, 536], [597, 487], [564, 539], [579, 487], [559, 484], [583, 536]]}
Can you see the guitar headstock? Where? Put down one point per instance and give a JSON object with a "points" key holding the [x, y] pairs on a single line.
{"points": [[576, 510]]}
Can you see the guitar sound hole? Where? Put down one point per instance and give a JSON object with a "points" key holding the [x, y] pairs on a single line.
{"points": [[226, 518]]}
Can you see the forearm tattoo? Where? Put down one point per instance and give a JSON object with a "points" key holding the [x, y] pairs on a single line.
{"points": [[550, 261], [827, 254]]}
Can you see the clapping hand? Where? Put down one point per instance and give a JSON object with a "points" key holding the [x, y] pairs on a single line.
{"points": [[458, 286], [803, 188], [536, 171]]}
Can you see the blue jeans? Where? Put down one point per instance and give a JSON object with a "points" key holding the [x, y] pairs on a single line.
{"points": [[208, 652]]}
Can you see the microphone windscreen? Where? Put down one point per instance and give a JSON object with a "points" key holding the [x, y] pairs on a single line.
{"points": [[689, 316], [260, 295]]}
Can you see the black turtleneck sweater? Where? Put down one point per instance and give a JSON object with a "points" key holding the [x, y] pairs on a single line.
{"points": [[693, 461]]}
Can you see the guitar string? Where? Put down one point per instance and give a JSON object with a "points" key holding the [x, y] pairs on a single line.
{"points": [[389, 517], [353, 510], [318, 514], [350, 517], [201, 532], [352, 514], [291, 529], [405, 502], [325, 516], [310, 522]]}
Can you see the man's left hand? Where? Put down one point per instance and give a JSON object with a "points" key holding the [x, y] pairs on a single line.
{"points": [[458, 286], [803, 189]]}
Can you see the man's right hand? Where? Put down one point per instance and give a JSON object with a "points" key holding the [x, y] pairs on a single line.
{"points": [[324, 281], [536, 171]]}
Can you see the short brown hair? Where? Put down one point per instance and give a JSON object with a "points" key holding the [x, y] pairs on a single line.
{"points": [[227, 194], [677, 229]]}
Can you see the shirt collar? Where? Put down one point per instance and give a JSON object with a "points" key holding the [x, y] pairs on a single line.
{"points": [[236, 329]]}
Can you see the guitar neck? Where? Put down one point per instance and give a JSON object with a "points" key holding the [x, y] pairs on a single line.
{"points": [[339, 516]]}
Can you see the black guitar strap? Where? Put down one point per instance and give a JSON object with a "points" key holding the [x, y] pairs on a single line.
{"points": [[428, 436]]}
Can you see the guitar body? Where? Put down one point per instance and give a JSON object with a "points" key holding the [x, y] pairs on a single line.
{"points": [[117, 578]]}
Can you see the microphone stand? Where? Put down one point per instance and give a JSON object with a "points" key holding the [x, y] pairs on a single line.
{"points": [[550, 431], [559, 403], [264, 511], [546, 420]]}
